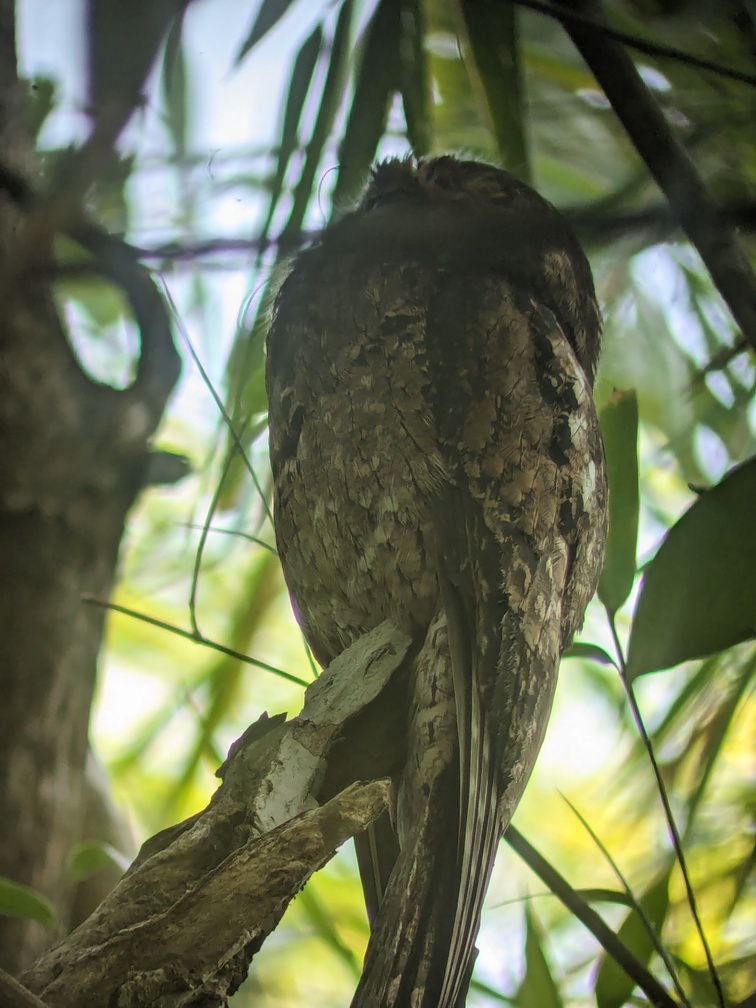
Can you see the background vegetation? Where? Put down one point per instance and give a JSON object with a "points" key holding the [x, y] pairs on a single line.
{"points": [[325, 89]]}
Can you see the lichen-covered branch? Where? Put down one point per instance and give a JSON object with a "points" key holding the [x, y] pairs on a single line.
{"points": [[201, 898]]}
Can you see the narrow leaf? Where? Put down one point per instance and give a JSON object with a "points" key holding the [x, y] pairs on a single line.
{"points": [[591, 652], [377, 81], [268, 16], [21, 901], [613, 986], [495, 57], [174, 84], [299, 86], [538, 986], [581, 911], [90, 856], [414, 76], [698, 594], [333, 90], [619, 425]]}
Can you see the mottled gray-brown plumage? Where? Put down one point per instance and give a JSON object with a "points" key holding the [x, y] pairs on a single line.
{"points": [[438, 462]]}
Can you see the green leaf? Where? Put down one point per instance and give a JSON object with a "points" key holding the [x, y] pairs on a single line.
{"points": [[538, 986], [619, 425], [377, 81], [591, 652], [415, 82], [495, 53], [268, 16], [90, 856], [123, 41], [174, 84], [21, 901], [613, 986], [324, 926], [299, 86], [330, 99], [104, 303], [698, 594]]}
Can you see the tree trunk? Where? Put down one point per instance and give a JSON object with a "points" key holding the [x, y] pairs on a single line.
{"points": [[73, 456]]}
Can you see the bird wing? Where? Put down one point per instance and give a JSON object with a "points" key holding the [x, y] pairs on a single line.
{"points": [[517, 529]]}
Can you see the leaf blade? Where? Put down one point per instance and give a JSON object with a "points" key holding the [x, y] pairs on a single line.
{"points": [[619, 426], [698, 594]]}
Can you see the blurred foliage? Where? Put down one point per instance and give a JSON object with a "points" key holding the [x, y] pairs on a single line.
{"points": [[375, 78]]}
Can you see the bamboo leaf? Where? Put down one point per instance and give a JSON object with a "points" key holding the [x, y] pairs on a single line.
{"points": [[21, 901], [333, 90], [268, 16], [90, 856], [493, 42], [174, 85], [299, 85], [613, 986], [414, 76], [538, 986], [619, 425], [698, 594], [591, 652], [377, 81]]}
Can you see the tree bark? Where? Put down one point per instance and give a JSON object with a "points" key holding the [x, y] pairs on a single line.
{"points": [[183, 924], [73, 456]]}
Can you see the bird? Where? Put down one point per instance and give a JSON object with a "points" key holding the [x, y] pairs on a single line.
{"points": [[437, 462]]}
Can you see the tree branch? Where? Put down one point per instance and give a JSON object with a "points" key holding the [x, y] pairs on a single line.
{"points": [[166, 935], [640, 45], [668, 162]]}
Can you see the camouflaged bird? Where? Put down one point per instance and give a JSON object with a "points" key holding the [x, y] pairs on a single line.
{"points": [[437, 462]]}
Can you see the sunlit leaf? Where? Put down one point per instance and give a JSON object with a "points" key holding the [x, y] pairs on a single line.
{"points": [[619, 426], [92, 855], [317, 912], [21, 901], [698, 594], [538, 986], [613, 986], [103, 302], [225, 677]]}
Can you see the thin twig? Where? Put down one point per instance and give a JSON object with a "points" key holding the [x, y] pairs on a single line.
{"points": [[195, 638], [194, 588], [235, 532], [235, 435], [635, 904], [639, 44], [668, 815], [577, 906], [15, 995]]}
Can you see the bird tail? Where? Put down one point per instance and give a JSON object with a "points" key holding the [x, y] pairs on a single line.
{"points": [[421, 949], [483, 684]]}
